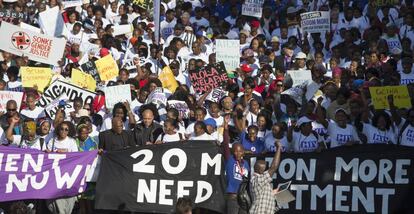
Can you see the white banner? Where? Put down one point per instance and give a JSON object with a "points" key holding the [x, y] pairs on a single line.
{"points": [[38, 47], [300, 76], [10, 95], [52, 108], [72, 3], [252, 8], [51, 22], [121, 29], [296, 92], [315, 22], [30, 27], [228, 51], [116, 94], [72, 91]]}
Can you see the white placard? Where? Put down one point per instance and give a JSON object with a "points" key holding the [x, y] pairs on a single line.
{"points": [[228, 51], [10, 95], [51, 22], [181, 106], [116, 94], [30, 27], [52, 108], [121, 29], [300, 76], [38, 47], [315, 22], [72, 3], [252, 8]]}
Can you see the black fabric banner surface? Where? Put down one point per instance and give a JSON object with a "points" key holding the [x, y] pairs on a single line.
{"points": [[150, 179], [209, 77], [357, 179]]}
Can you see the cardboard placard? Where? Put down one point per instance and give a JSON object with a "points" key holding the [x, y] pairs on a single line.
{"points": [[107, 68], [300, 76], [379, 96], [116, 94], [5, 96], [168, 79], [32, 76], [83, 80], [228, 51], [316, 21], [208, 77]]}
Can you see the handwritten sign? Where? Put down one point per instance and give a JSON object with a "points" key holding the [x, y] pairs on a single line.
{"points": [[51, 22], [52, 108], [253, 8], [34, 76], [228, 51], [89, 67], [216, 95], [208, 77], [116, 94], [7, 15], [315, 22], [167, 79], [83, 80], [300, 77], [181, 106], [381, 3], [10, 95], [107, 68], [379, 96]]}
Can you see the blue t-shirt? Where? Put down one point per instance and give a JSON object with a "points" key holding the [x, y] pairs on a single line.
{"points": [[255, 147], [88, 145], [235, 173]]}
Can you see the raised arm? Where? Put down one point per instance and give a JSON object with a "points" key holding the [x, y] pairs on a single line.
{"points": [[319, 112], [226, 138], [395, 116], [9, 131], [276, 159]]}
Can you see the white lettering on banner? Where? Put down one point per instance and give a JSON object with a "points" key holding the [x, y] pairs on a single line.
{"points": [[317, 192], [367, 171], [365, 201], [67, 179], [299, 169], [28, 160], [182, 161], [21, 185], [42, 183], [147, 194], [215, 162], [11, 163], [142, 166]]}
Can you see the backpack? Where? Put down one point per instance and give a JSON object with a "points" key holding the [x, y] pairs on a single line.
{"points": [[243, 196], [404, 126]]}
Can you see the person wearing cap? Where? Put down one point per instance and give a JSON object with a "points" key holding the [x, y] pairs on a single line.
{"points": [[251, 60], [275, 45], [303, 139], [244, 36], [27, 139], [200, 132], [300, 62], [211, 127], [406, 71]]}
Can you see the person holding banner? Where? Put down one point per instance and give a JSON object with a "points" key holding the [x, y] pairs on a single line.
{"points": [[261, 184], [28, 138], [304, 140]]}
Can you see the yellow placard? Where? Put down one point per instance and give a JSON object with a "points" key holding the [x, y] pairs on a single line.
{"points": [[379, 96], [83, 80], [167, 79], [107, 68], [34, 76]]}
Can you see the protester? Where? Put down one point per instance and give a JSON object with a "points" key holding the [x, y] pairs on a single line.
{"points": [[355, 62]]}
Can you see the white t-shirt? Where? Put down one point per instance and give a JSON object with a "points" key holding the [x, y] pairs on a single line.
{"points": [[270, 143], [24, 144], [375, 135], [68, 144], [167, 138], [200, 22], [339, 136], [302, 143], [407, 136], [204, 136], [167, 28], [406, 78], [33, 114]]}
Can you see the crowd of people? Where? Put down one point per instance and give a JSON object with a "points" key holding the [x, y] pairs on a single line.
{"points": [[369, 45]]}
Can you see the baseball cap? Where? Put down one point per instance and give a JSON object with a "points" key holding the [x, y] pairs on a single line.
{"points": [[210, 122], [246, 68], [303, 120], [179, 26], [300, 55], [255, 23], [275, 39]]}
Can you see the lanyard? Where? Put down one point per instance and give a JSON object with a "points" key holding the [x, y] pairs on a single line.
{"points": [[241, 168]]}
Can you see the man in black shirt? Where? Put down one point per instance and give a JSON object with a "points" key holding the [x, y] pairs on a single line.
{"points": [[147, 131], [116, 138]]}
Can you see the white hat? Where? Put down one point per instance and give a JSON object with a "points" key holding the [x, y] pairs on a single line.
{"points": [[303, 120], [275, 39], [300, 55], [291, 10]]}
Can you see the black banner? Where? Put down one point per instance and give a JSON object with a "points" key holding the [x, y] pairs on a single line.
{"points": [[357, 179], [209, 77], [150, 179], [89, 67]]}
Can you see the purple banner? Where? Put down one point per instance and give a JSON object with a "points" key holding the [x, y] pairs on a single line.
{"points": [[32, 174]]}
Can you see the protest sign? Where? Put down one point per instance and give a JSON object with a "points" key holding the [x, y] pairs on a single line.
{"points": [[107, 68], [38, 76], [10, 95], [158, 98], [208, 77], [52, 108], [121, 29], [33, 174], [51, 22], [38, 47], [83, 80], [296, 92], [216, 95], [167, 79], [9, 1], [116, 94], [252, 8], [30, 27], [90, 68], [58, 88], [381, 3], [378, 180], [379, 96], [151, 179], [8, 15], [228, 51], [315, 22], [72, 3], [181, 106], [300, 76]]}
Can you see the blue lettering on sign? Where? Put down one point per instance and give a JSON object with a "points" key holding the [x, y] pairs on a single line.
{"points": [[308, 145]]}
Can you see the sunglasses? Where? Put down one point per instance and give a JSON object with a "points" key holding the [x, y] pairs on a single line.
{"points": [[11, 109], [64, 129]]}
